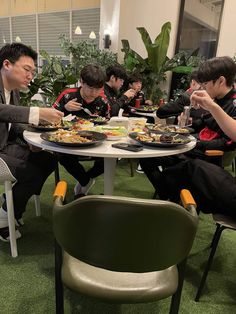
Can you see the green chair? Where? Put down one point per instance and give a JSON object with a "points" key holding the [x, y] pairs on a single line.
{"points": [[120, 249]]}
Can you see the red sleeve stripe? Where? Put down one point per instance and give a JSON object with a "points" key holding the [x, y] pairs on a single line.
{"points": [[66, 91]]}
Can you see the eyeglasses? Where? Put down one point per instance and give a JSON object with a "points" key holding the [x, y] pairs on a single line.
{"points": [[27, 69]]}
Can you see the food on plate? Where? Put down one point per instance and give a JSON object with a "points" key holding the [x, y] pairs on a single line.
{"points": [[160, 138], [148, 108], [65, 136], [136, 124], [98, 119], [82, 121], [168, 128], [61, 124], [112, 131], [82, 124]]}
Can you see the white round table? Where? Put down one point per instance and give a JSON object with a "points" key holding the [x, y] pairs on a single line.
{"points": [[109, 153]]}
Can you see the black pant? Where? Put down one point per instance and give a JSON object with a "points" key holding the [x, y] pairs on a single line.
{"points": [[30, 170], [150, 165], [73, 166], [213, 188]]}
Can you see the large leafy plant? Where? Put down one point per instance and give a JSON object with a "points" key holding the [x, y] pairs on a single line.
{"points": [[153, 68], [86, 52]]}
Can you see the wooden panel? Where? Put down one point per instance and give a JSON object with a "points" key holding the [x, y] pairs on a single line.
{"points": [[23, 7], [5, 8], [80, 4], [53, 5]]}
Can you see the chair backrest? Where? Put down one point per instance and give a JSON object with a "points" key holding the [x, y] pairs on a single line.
{"points": [[124, 234], [5, 173]]}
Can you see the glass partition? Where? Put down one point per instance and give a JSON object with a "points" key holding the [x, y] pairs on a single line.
{"points": [[199, 25]]}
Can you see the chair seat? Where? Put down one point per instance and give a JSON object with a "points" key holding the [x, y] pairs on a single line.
{"points": [[118, 286]]}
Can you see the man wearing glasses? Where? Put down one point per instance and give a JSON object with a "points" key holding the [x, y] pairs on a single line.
{"points": [[29, 167]]}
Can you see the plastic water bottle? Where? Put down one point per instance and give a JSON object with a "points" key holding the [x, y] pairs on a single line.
{"points": [[184, 118]]}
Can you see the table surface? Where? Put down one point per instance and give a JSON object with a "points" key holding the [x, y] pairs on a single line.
{"points": [[105, 149]]}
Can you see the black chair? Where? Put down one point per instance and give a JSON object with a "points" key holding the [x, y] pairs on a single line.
{"points": [[222, 223], [120, 249]]}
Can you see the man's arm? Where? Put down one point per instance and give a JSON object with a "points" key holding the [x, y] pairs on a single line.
{"points": [[20, 114], [226, 123]]}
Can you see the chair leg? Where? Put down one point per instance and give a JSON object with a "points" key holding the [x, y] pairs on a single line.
{"points": [[214, 244], [57, 174], [58, 281], [11, 218], [175, 300], [37, 205]]}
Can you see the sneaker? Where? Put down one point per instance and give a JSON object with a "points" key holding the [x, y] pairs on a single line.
{"points": [[77, 188], [84, 189], [139, 169], [4, 220], [4, 234]]}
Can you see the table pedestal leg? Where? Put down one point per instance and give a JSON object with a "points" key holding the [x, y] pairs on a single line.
{"points": [[109, 175]]}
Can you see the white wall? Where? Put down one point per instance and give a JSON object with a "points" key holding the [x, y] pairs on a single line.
{"points": [[110, 20], [227, 40], [123, 16]]}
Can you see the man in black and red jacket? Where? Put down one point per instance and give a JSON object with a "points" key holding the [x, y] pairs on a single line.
{"points": [[72, 100], [216, 76], [116, 76]]}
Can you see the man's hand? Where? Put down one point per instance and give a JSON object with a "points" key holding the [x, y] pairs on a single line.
{"points": [[50, 115], [130, 93], [202, 99], [72, 105]]}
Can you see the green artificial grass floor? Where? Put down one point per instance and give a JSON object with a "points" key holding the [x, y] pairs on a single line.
{"points": [[27, 282]]}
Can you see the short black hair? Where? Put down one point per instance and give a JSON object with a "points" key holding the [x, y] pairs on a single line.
{"points": [[117, 70], [212, 69], [135, 77], [14, 51], [93, 76], [193, 76]]}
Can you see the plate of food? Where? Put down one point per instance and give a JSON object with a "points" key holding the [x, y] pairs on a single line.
{"points": [[51, 127], [113, 133], [159, 140], [74, 138], [99, 120], [176, 129], [147, 108]]}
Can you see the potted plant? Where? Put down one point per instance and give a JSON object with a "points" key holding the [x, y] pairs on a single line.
{"points": [[153, 68], [86, 52]]}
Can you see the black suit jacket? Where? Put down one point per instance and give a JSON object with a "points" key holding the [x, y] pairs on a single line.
{"points": [[13, 114]]}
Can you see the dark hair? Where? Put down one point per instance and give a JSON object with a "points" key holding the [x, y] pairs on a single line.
{"points": [[117, 70], [13, 52], [193, 76], [93, 76], [135, 77], [213, 68]]}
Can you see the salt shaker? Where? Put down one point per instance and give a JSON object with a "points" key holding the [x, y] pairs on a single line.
{"points": [[184, 118]]}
